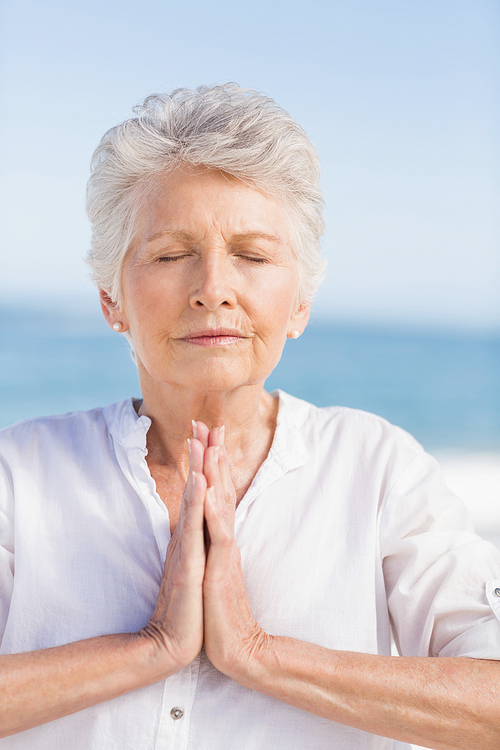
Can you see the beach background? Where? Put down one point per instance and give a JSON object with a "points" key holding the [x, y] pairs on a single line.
{"points": [[442, 387], [402, 101]]}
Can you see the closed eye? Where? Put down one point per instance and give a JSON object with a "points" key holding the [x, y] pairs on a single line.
{"points": [[171, 258], [253, 258]]}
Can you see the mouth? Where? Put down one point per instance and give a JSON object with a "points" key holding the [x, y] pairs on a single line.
{"points": [[215, 337]]}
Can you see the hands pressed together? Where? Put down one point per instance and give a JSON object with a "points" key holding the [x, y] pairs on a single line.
{"points": [[203, 598], [203, 601]]}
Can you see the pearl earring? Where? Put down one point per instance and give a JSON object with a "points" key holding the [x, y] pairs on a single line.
{"points": [[117, 326], [294, 334]]}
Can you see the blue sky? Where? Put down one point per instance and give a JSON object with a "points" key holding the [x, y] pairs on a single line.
{"points": [[401, 98]]}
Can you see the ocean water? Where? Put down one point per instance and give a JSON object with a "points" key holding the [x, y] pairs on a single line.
{"points": [[443, 388]]}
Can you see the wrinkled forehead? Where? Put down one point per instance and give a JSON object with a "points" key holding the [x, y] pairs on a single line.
{"points": [[190, 200]]}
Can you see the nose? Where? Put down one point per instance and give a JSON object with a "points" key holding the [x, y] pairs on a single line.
{"points": [[213, 282]]}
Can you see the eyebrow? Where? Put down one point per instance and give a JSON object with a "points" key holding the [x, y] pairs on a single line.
{"points": [[175, 235], [186, 237], [255, 236]]}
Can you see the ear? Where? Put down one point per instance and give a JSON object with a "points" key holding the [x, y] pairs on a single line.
{"points": [[112, 313], [300, 318]]}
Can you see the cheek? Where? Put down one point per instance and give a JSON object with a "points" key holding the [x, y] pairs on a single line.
{"points": [[277, 302], [148, 301], [273, 324]]}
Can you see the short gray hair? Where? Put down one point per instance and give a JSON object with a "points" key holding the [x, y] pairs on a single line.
{"points": [[227, 128]]}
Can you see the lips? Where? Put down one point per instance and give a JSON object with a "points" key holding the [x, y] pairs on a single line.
{"points": [[215, 337]]}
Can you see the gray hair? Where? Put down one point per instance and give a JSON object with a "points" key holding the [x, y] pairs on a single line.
{"points": [[227, 128]]}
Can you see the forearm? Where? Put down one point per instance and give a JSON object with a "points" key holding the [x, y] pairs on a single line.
{"points": [[446, 703], [41, 686]]}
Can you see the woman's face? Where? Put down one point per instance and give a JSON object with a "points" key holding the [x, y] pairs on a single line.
{"points": [[209, 286]]}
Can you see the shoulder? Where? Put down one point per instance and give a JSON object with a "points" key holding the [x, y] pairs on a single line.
{"points": [[344, 425], [33, 438], [354, 449]]}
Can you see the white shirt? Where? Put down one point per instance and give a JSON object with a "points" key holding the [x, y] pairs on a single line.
{"points": [[346, 526]]}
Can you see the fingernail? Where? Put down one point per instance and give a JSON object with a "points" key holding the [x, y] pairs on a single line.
{"points": [[195, 429], [193, 475], [189, 445], [222, 434], [211, 494]]}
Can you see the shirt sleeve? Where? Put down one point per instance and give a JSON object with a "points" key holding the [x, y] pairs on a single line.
{"points": [[6, 546], [442, 580]]}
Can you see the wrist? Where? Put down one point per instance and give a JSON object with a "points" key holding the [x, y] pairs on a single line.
{"points": [[160, 659], [253, 659]]}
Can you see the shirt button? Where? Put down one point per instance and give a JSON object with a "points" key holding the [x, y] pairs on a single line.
{"points": [[178, 713], [497, 592]]}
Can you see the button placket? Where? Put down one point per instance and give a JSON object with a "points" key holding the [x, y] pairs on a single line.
{"points": [[174, 718]]}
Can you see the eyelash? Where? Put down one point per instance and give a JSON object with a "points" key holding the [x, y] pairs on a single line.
{"points": [[253, 258], [172, 258]]}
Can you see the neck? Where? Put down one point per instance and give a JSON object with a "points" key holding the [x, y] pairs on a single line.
{"points": [[248, 413]]}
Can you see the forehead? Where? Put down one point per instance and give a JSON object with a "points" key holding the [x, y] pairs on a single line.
{"points": [[197, 200]]}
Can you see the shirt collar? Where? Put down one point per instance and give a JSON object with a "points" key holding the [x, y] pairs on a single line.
{"points": [[288, 450], [288, 447], [126, 426]]}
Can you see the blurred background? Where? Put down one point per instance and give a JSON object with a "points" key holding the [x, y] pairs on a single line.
{"points": [[401, 100]]}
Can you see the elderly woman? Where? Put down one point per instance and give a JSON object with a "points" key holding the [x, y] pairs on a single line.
{"points": [[214, 566]]}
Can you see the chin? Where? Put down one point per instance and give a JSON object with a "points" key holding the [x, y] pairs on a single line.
{"points": [[208, 384]]}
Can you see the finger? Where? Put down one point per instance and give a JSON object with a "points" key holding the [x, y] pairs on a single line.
{"points": [[217, 437], [212, 473], [190, 526], [200, 432], [216, 440], [196, 453], [214, 437], [195, 495], [225, 475], [218, 527]]}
